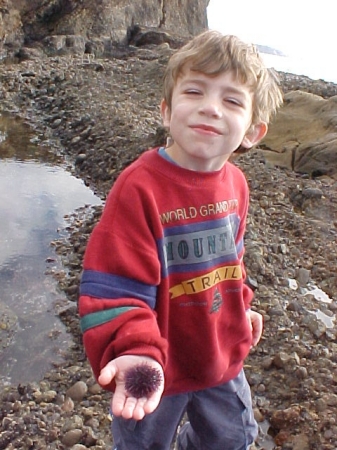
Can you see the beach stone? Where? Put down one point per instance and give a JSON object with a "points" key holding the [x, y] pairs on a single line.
{"points": [[330, 399], [72, 423], [95, 389], [77, 391], [303, 276], [321, 405], [68, 404], [284, 360], [301, 442], [280, 419], [80, 158], [90, 438], [317, 327], [72, 437], [46, 397], [302, 372]]}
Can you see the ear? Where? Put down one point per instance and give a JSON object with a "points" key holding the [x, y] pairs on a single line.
{"points": [[254, 134], [165, 113]]}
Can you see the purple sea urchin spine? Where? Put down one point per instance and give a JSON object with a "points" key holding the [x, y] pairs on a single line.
{"points": [[142, 380]]}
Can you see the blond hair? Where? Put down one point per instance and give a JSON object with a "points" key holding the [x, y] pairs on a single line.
{"points": [[212, 53]]}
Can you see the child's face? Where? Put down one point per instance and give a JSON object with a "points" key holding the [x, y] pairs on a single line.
{"points": [[210, 117]]}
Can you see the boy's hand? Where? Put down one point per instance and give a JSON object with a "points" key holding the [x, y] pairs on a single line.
{"points": [[256, 322], [122, 404]]}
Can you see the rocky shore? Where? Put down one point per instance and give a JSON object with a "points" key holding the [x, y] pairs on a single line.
{"points": [[99, 114]]}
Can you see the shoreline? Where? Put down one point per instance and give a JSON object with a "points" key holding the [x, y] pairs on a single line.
{"points": [[70, 102]]}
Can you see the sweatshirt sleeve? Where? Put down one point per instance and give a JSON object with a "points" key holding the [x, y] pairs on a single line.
{"points": [[120, 279]]}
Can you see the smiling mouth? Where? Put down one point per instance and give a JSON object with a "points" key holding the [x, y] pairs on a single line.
{"points": [[207, 129]]}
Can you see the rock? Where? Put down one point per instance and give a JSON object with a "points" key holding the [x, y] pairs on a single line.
{"points": [[303, 276], [46, 397], [26, 53], [95, 389], [317, 327], [68, 404], [282, 360], [294, 305], [80, 158], [66, 28], [72, 437], [330, 399], [90, 438], [301, 442], [321, 405], [302, 373], [138, 37], [283, 418], [74, 422], [303, 135], [77, 391]]}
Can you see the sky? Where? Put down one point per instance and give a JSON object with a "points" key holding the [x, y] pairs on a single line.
{"points": [[296, 27]]}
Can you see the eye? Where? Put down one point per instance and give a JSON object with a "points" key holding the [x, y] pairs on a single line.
{"points": [[192, 91], [233, 101]]}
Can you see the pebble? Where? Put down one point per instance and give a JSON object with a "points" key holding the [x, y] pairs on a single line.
{"points": [[303, 276], [287, 416], [72, 437], [77, 391]]}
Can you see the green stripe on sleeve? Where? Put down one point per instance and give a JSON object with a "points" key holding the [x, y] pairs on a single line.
{"points": [[100, 317]]}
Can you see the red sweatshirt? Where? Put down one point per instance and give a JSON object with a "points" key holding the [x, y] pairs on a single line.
{"points": [[163, 273]]}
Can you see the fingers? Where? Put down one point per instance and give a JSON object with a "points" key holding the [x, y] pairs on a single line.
{"points": [[107, 374], [123, 404], [256, 322], [257, 326], [256, 338], [131, 407], [152, 403]]}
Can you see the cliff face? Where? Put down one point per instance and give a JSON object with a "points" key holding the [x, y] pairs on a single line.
{"points": [[33, 20]]}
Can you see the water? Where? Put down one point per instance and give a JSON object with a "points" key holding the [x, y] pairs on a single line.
{"points": [[36, 192], [314, 68], [320, 296]]}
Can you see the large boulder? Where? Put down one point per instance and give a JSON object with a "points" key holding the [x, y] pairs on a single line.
{"points": [[303, 136], [33, 20]]}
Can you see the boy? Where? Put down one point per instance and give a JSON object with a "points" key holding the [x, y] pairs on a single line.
{"points": [[164, 281]]}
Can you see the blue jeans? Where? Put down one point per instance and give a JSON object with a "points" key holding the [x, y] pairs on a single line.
{"points": [[219, 418]]}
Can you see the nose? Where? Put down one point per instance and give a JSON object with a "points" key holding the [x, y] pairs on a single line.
{"points": [[211, 106]]}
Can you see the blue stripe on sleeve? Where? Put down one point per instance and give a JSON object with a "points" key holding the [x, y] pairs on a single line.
{"points": [[104, 285]]}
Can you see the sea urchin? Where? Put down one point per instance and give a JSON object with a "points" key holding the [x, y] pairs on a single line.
{"points": [[142, 380]]}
